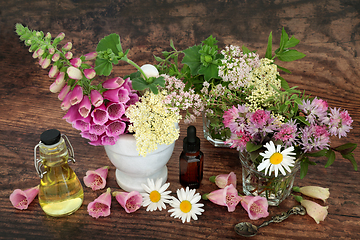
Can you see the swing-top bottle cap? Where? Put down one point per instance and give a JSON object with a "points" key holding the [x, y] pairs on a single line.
{"points": [[191, 142], [50, 137]]}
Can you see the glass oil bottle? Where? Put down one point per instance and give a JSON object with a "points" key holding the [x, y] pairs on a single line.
{"points": [[60, 191], [191, 160]]}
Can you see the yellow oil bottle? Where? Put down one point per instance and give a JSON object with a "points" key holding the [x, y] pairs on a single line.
{"points": [[60, 191]]}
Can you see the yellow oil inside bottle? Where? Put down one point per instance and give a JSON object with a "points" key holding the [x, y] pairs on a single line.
{"points": [[60, 191]]}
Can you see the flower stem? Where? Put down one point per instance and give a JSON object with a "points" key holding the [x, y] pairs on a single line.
{"points": [[125, 59]]}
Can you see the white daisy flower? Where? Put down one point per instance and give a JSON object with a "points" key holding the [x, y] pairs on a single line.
{"points": [[155, 196], [186, 207], [275, 160]]}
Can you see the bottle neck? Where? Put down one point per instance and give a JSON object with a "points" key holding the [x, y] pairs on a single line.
{"points": [[52, 155]]}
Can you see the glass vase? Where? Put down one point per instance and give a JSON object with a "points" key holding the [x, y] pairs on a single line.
{"points": [[214, 130], [255, 183]]}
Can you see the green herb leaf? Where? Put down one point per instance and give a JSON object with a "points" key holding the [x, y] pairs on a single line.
{"points": [[304, 164], [302, 119], [346, 148], [331, 158], [350, 157], [268, 53], [284, 39], [318, 153], [250, 147], [103, 67], [211, 71], [292, 42], [245, 50], [111, 41], [284, 84], [290, 55], [192, 59], [139, 84]]}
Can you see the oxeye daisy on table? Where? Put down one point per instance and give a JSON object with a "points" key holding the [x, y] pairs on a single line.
{"points": [[186, 206], [156, 195]]}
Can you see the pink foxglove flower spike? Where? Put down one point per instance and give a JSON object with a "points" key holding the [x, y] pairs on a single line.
{"points": [[314, 192], [256, 207], [227, 196], [313, 209], [129, 201], [223, 180], [21, 199], [100, 207], [96, 179]]}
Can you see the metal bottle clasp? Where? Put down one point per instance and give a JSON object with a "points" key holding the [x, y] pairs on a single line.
{"points": [[38, 163]]}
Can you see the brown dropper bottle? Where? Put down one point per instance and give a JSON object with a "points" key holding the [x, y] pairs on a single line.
{"points": [[191, 160]]}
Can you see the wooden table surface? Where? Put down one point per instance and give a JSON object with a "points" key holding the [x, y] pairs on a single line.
{"points": [[330, 37]]}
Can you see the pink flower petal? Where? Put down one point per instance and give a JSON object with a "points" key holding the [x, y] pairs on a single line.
{"points": [[107, 140], [90, 136], [120, 95], [99, 115], [115, 110], [115, 128], [96, 98], [315, 210], [72, 114], [76, 95], [100, 207], [75, 62], [227, 196], [53, 71], [21, 199], [129, 201], [113, 83], [96, 179], [85, 107], [256, 207], [65, 105], [89, 73], [74, 73], [64, 91], [97, 129], [82, 124], [90, 56]]}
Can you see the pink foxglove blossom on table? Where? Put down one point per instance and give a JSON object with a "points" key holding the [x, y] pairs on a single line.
{"points": [[314, 192], [96, 179], [223, 180], [313, 209], [256, 207], [100, 207], [21, 199], [129, 201], [227, 196]]}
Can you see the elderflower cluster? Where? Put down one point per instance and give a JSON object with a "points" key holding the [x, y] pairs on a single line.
{"points": [[263, 79], [237, 66], [153, 122]]}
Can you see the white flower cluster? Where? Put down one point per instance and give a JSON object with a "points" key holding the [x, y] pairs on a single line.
{"points": [[153, 122], [262, 80]]}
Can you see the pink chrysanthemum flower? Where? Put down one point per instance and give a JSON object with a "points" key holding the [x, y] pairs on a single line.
{"points": [[314, 138], [340, 122]]}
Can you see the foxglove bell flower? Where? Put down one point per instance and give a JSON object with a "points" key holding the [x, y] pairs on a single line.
{"points": [[76, 62], [90, 56], [53, 71], [74, 73], [96, 98], [76, 95], [21, 199], [313, 209], [60, 78], [60, 36], [256, 207], [72, 114], [113, 83], [314, 192], [227, 196], [45, 63], [223, 180], [68, 55], [100, 207], [82, 124], [55, 88], [115, 128], [129, 201], [67, 46], [64, 91], [55, 57], [99, 115], [85, 107], [96, 179], [115, 110], [120, 95]]}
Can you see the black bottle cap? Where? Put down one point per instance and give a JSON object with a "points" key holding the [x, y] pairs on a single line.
{"points": [[50, 137], [191, 142]]}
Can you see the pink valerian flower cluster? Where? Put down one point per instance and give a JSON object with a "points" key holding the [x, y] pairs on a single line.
{"points": [[100, 118], [181, 99], [260, 125]]}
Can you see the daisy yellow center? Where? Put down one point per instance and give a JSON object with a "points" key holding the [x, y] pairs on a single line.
{"points": [[185, 206], [155, 196], [276, 158]]}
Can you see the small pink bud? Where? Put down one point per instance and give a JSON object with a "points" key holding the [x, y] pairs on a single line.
{"points": [[40, 52], [223, 180], [54, 87], [100, 207], [76, 95], [60, 36], [48, 35], [68, 55], [90, 56], [67, 46], [65, 105], [96, 98], [53, 71], [51, 50], [75, 62], [74, 73], [45, 63], [89, 73], [64, 91], [96, 179], [129, 201], [41, 60], [60, 78], [35, 55], [55, 57], [21, 199]]}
